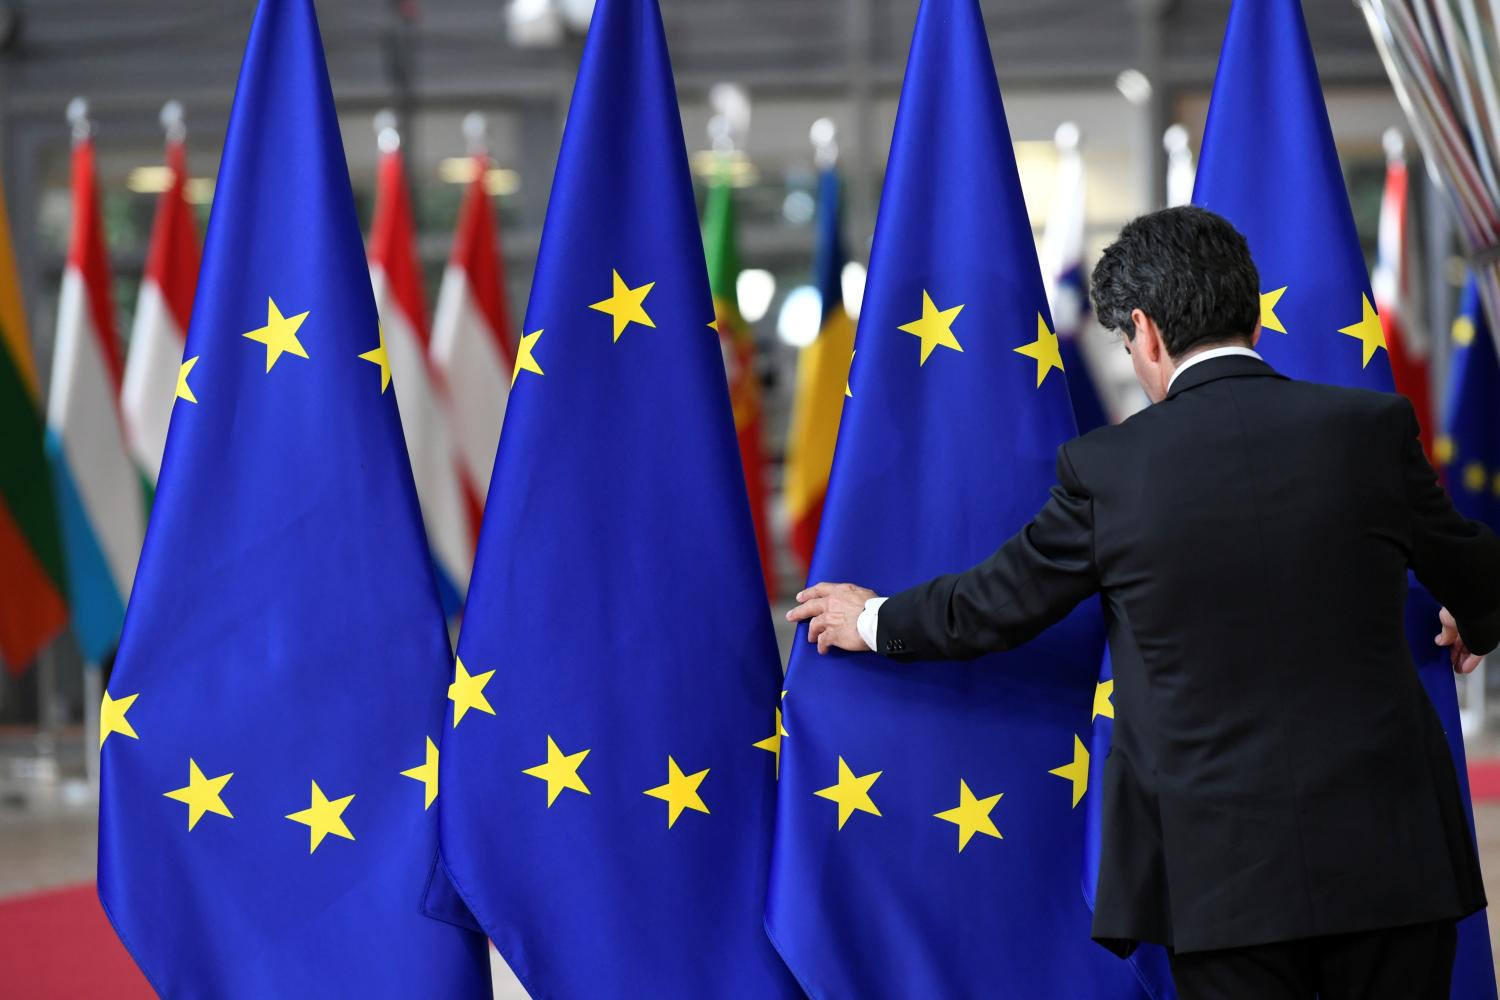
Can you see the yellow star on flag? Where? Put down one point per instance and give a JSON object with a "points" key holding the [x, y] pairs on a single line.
{"points": [[561, 771], [934, 329], [525, 360], [626, 305], [1463, 331], [1475, 477], [971, 815], [202, 794], [185, 391], [377, 356], [680, 792], [427, 773], [112, 717], [1443, 449], [772, 743], [1103, 691], [1367, 331], [1268, 318], [467, 691], [1044, 349], [323, 817], [1077, 771], [852, 793], [279, 334]]}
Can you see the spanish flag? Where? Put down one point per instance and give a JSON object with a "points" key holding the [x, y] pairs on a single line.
{"points": [[822, 382], [32, 609]]}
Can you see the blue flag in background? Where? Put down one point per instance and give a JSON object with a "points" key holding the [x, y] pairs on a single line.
{"points": [[268, 734], [1469, 446], [1269, 165], [929, 835], [609, 765]]}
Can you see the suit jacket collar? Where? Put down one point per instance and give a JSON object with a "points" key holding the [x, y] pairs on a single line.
{"points": [[1234, 366]]}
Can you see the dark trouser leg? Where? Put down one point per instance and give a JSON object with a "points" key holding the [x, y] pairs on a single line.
{"points": [[1399, 963], [1285, 971]]}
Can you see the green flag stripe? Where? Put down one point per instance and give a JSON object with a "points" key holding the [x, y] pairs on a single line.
{"points": [[25, 481]]}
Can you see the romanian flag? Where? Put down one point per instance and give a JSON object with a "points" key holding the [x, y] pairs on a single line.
{"points": [[32, 607], [161, 319], [443, 485], [822, 381], [101, 497], [721, 243]]}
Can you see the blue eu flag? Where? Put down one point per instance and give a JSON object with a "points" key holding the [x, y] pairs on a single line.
{"points": [[1269, 165], [268, 735], [929, 833], [1469, 446], [611, 750]]}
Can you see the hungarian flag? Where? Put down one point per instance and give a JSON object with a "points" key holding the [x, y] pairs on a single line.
{"points": [[426, 406], [472, 343], [161, 319], [1409, 353], [101, 499], [721, 244], [32, 608], [822, 381]]}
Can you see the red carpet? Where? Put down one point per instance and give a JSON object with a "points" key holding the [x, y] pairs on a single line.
{"points": [[58, 944], [1484, 779]]}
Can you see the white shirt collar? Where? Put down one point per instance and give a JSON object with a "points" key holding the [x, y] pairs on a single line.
{"points": [[1209, 355]]}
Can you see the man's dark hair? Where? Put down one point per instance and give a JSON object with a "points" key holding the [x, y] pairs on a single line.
{"points": [[1186, 268]]}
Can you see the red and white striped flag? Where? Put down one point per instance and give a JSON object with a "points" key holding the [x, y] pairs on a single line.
{"points": [[425, 404], [472, 343], [161, 314], [1410, 353]]}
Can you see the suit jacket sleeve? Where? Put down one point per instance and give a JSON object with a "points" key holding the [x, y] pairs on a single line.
{"points": [[1458, 560], [1031, 582]]}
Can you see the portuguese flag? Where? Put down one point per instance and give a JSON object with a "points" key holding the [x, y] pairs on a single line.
{"points": [[721, 243], [32, 609]]}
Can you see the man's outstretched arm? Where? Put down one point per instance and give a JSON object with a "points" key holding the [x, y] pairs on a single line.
{"points": [[1029, 583]]}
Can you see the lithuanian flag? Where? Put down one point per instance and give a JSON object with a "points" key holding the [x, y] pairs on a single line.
{"points": [[721, 243], [32, 609], [822, 382]]}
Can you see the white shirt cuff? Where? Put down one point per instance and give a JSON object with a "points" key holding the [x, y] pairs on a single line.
{"points": [[869, 621]]}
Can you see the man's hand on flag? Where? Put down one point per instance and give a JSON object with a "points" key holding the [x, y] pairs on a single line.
{"points": [[1464, 662], [832, 612]]}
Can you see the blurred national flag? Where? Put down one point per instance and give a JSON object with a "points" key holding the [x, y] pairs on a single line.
{"points": [[721, 243], [1469, 445], [1393, 289], [1063, 273], [161, 317], [443, 482], [473, 347], [822, 378], [32, 604], [101, 496]]}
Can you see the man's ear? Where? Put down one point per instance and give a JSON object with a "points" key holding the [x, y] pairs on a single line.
{"points": [[1255, 335], [1147, 336]]}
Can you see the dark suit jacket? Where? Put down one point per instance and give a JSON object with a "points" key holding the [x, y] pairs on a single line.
{"points": [[1277, 771]]}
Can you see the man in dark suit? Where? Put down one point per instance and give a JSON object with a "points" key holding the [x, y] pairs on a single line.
{"points": [[1281, 809]]}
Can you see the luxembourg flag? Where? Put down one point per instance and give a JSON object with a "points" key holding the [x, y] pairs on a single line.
{"points": [[100, 496], [162, 312], [426, 408], [471, 342]]}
